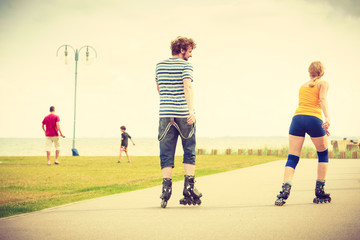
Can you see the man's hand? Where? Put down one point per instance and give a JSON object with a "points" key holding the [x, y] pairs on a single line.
{"points": [[189, 100], [43, 128], [191, 119]]}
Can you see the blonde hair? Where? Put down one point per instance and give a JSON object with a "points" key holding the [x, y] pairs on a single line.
{"points": [[316, 70]]}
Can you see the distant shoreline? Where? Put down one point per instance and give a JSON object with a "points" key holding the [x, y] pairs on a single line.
{"points": [[206, 137], [143, 147]]}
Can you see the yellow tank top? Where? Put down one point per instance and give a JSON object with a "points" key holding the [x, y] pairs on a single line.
{"points": [[309, 102]]}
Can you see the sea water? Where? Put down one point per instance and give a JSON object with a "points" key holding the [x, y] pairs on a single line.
{"points": [[143, 147]]}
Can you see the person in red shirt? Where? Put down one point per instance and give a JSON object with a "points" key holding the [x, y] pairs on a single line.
{"points": [[51, 127]]}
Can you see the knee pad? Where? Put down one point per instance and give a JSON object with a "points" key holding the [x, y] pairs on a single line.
{"points": [[323, 156], [292, 161]]}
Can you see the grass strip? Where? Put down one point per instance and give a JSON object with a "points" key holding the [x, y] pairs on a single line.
{"points": [[27, 184]]}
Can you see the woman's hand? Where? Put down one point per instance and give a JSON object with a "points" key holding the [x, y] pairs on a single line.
{"points": [[326, 126]]}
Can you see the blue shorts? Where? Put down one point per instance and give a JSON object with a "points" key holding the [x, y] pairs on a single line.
{"points": [[311, 125], [169, 131]]}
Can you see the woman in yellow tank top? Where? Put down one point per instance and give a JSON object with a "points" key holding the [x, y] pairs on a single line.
{"points": [[308, 119]]}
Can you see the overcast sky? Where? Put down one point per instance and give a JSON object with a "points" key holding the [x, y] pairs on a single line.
{"points": [[250, 60]]}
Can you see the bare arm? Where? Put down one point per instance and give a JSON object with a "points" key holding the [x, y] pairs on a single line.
{"points": [[43, 127], [132, 141], [59, 129], [157, 86], [324, 86], [189, 96]]}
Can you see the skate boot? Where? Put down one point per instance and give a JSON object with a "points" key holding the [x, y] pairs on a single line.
{"points": [[166, 191], [284, 194], [321, 195], [191, 194]]}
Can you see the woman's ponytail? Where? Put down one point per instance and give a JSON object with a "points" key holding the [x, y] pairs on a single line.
{"points": [[314, 81], [316, 70]]}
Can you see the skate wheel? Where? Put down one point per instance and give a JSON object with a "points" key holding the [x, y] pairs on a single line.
{"points": [[329, 200], [316, 200], [183, 201], [163, 204], [279, 202]]}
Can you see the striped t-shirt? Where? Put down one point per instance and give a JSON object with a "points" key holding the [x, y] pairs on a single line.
{"points": [[170, 74]]}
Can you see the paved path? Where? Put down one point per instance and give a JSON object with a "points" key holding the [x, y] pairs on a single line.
{"points": [[236, 205]]}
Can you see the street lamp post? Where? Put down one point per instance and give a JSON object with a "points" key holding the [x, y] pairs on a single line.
{"points": [[76, 52]]}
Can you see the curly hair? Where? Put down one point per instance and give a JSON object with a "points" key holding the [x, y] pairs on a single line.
{"points": [[316, 70], [181, 43]]}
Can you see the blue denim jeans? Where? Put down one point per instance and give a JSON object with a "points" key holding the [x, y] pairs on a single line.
{"points": [[169, 131]]}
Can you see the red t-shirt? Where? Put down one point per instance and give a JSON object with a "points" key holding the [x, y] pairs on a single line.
{"points": [[50, 123]]}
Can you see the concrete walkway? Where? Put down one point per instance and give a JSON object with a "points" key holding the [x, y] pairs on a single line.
{"points": [[236, 205]]}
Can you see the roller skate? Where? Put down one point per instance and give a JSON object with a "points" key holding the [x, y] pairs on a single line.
{"points": [[191, 194], [166, 191], [284, 194], [321, 195]]}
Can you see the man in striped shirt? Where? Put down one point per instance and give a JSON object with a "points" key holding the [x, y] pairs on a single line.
{"points": [[173, 81]]}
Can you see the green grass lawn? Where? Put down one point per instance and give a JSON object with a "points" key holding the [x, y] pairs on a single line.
{"points": [[27, 184]]}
